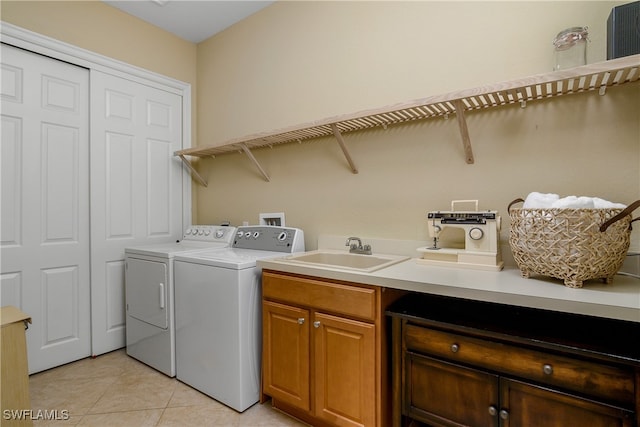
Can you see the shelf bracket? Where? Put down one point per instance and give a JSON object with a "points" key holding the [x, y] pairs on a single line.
{"points": [[194, 173], [464, 132], [338, 135], [249, 154]]}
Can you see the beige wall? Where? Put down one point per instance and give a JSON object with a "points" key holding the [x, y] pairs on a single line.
{"points": [[301, 61]]}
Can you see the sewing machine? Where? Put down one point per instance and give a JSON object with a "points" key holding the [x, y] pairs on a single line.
{"points": [[473, 238]]}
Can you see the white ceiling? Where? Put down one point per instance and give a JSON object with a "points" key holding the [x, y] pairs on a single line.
{"points": [[192, 20]]}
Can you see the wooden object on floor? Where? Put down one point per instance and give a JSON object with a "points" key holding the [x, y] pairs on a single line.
{"points": [[14, 392]]}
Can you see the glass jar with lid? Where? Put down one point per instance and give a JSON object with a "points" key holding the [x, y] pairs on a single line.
{"points": [[571, 48]]}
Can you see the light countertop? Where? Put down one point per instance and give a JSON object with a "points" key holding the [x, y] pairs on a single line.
{"points": [[618, 300]]}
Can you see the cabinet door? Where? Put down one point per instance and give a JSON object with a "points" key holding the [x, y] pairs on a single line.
{"points": [[525, 405], [345, 387], [445, 394], [285, 353]]}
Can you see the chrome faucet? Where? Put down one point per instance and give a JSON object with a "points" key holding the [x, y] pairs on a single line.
{"points": [[357, 248]]}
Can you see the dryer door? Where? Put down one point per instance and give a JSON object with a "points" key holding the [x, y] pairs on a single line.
{"points": [[147, 291]]}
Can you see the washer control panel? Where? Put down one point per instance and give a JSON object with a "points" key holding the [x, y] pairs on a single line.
{"points": [[210, 233], [268, 238]]}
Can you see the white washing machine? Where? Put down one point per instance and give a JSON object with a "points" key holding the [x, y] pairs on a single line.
{"points": [[219, 316], [149, 294]]}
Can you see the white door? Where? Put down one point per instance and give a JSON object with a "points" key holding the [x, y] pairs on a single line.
{"points": [[44, 249], [136, 189]]}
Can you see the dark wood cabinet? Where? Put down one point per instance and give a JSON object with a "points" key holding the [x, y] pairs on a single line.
{"points": [[524, 404], [466, 367], [447, 394]]}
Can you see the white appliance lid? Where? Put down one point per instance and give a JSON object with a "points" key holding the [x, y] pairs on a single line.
{"points": [[228, 257], [170, 250], [196, 238]]}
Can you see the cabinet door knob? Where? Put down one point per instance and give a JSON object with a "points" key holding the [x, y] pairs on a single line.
{"points": [[454, 348], [301, 321], [493, 411], [316, 324], [547, 369], [504, 414]]}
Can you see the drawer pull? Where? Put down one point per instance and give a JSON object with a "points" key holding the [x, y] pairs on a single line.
{"points": [[504, 414], [301, 321], [547, 369], [455, 348], [316, 324], [493, 411]]}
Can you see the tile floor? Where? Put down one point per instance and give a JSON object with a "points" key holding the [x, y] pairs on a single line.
{"points": [[116, 390]]}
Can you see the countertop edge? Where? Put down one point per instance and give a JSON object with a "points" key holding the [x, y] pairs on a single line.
{"points": [[619, 300]]}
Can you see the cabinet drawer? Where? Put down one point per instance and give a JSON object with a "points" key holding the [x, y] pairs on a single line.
{"points": [[589, 378], [332, 297]]}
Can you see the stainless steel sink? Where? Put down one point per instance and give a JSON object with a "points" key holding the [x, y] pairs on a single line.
{"points": [[345, 260]]}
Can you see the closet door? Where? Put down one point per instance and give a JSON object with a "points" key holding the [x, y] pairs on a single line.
{"points": [[136, 189], [44, 232]]}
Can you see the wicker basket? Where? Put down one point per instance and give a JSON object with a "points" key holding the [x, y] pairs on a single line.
{"points": [[570, 244]]}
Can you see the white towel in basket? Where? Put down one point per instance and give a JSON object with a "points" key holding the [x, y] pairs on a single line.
{"points": [[605, 204], [574, 202], [537, 200]]}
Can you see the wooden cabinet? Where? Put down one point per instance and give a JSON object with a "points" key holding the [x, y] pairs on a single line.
{"points": [[441, 393], [324, 350], [528, 405], [468, 367], [444, 393], [344, 370], [285, 354], [14, 371]]}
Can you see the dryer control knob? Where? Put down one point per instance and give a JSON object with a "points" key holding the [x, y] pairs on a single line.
{"points": [[207, 232], [256, 234], [247, 234], [282, 236], [219, 234], [239, 234]]}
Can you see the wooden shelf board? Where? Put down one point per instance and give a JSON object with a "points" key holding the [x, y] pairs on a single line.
{"points": [[590, 77]]}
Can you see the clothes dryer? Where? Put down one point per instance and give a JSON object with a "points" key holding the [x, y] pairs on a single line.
{"points": [[219, 316], [149, 294]]}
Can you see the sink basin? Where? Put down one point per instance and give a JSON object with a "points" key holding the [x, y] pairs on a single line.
{"points": [[346, 260]]}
